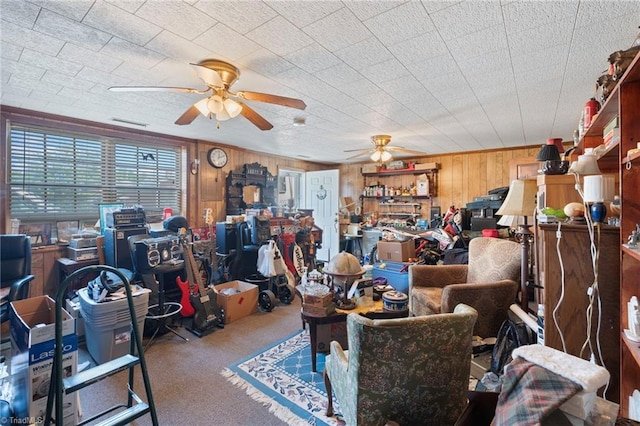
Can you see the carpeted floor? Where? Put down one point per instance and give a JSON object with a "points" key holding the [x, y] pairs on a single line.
{"points": [[280, 377]]}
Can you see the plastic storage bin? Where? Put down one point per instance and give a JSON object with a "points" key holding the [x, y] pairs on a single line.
{"points": [[396, 273], [108, 324]]}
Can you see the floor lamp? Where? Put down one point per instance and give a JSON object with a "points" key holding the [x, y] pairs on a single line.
{"points": [[521, 202]]}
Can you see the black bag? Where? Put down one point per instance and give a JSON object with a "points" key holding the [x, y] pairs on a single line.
{"points": [[510, 336]]}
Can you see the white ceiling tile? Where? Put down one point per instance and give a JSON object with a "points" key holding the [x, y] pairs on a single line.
{"points": [[360, 88], [80, 55], [338, 30], [20, 12], [401, 23], [280, 36], [313, 58], [100, 76], [10, 51], [425, 69], [492, 39], [177, 17], [385, 71], [70, 31], [127, 51], [467, 18], [224, 40], [72, 9], [591, 12], [368, 9], [116, 21], [484, 64], [129, 5], [64, 80], [27, 82], [266, 63], [529, 15], [42, 95], [542, 37], [364, 53], [419, 48], [30, 39], [177, 48], [243, 16], [550, 60], [303, 13], [29, 57], [15, 93], [341, 76]]}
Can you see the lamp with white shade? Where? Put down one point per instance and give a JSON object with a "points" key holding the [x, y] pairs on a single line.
{"points": [[521, 202], [222, 109], [597, 190]]}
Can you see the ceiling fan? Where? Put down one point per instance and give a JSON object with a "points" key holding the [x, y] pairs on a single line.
{"points": [[219, 76], [381, 152]]}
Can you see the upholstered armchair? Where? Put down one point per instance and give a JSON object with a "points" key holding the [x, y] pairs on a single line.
{"points": [[414, 371], [489, 284], [15, 270]]}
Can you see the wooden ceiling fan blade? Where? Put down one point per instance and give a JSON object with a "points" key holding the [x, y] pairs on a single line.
{"points": [[359, 149], [258, 120], [361, 154], [188, 116], [272, 99], [399, 149], [156, 89], [209, 76]]}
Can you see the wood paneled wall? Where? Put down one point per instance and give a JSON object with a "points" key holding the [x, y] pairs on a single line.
{"points": [[461, 176]]}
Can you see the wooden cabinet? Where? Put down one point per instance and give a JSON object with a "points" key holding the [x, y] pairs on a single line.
{"points": [[569, 298], [623, 102], [43, 268], [253, 187]]}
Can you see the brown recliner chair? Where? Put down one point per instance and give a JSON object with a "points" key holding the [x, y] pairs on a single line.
{"points": [[489, 284], [15, 270]]}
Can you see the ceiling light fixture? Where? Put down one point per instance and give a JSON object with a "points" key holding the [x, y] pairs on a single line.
{"points": [[216, 106], [381, 156]]}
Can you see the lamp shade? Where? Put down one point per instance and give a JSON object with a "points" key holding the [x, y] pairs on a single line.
{"points": [[549, 151], [599, 188], [521, 199]]}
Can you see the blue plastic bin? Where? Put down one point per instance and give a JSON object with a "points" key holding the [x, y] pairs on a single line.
{"points": [[395, 278]]}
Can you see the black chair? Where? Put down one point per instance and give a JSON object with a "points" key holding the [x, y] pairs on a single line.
{"points": [[15, 270], [245, 263]]}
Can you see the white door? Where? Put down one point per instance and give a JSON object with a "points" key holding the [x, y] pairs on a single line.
{"points": [[322, 196]]}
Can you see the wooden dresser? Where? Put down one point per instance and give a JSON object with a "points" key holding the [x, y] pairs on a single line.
{"points": [[578, 277]]}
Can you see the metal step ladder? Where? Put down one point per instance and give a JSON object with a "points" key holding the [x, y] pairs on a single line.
{"points": [[134, 407]]}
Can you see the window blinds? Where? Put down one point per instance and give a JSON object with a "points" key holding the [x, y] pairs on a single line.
{"points": [[68, 176]]}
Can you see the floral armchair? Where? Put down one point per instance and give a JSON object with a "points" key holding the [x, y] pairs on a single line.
{"points": [[414, 371], [489, 283]]}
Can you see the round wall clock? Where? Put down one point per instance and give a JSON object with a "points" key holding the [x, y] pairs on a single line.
{"points": [[217, 157]]}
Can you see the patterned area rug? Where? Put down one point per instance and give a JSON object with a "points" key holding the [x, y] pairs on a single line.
{"points": [[280, 377]]}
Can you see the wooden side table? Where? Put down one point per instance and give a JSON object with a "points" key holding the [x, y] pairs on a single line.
{"points": [[341, 316]]}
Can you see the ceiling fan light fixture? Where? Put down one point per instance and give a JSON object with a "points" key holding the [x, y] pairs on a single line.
{"points": [[376, 156], [232, 107], [385, 156], [215, 104], [223, 115], [202, 106]]}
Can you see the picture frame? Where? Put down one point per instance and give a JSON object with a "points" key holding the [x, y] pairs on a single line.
{"points": [[65, 230], [38, 233], [104, 209]]}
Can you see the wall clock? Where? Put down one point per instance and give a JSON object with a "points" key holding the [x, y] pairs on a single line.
{"points": [[217, 157]]}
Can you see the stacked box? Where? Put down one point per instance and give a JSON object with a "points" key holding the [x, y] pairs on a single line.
{"points": [[33, 341], [396, 251]]}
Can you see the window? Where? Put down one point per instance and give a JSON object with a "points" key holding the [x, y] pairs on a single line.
{"points": [[60, 176]]}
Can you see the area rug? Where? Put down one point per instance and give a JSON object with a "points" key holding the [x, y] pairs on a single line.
{"points": [[280, 377]]}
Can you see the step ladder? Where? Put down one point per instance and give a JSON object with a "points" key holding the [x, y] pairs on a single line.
{"points": [[123, 413]]}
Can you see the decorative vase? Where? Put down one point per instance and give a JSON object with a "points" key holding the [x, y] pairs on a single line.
{"points": [[598, 212]]}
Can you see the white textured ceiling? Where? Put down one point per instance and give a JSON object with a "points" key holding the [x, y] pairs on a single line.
{"points": [[439, 76]]}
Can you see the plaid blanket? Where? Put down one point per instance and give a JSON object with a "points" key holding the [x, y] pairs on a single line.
{"points": [[530, 393]]}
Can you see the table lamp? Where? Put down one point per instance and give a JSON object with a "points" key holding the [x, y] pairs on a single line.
{"points": [[550, 154], [521, 202], [597, 190]]}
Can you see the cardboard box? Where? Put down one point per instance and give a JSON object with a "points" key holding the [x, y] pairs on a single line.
{"points": [[422, 185], [327, 332], [396, 251], [426, 166], [318, 301], [239, 304], [33, 340], [319, 311]]}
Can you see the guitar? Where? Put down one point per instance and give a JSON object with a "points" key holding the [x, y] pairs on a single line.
{"points": [[215, 275], [185, 298], [207, 311]]}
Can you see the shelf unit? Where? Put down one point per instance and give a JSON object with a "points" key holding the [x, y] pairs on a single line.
{"points": [[377, 193], [623, 102]]}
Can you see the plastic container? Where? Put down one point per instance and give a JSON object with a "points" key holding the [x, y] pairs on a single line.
{"points": [[396, 273], [108, 324]]}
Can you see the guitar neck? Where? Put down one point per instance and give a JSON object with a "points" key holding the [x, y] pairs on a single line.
{"points": [[192, 272]]}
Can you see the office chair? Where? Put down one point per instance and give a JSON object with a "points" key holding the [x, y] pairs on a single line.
{"points": [[15, 270]]}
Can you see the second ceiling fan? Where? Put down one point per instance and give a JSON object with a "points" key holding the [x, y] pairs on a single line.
{"points": [[219, 76], [381, 152]]}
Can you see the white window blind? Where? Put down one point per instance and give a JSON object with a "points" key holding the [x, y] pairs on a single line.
{"points": [[58, 176]]}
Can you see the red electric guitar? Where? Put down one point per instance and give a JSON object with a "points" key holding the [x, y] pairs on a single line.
{"points": [[185, 292]]}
